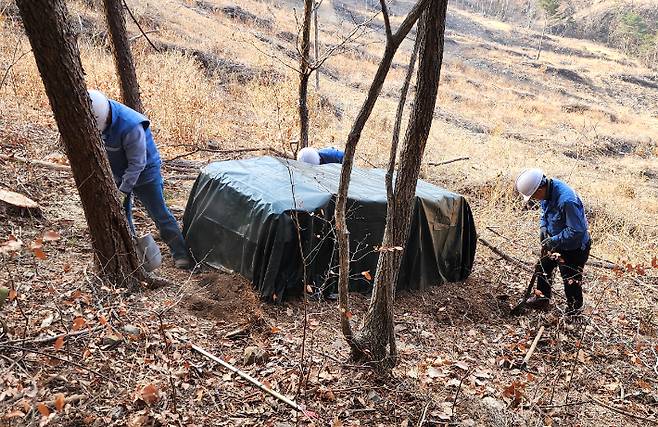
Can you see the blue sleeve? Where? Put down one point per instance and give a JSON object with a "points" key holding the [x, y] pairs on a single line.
{"points": [[134, 145], [576, 226], [331, 155], [542, 217]]}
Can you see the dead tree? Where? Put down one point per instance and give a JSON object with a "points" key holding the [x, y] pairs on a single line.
{"points": [[123, 58], [375, 342], [58, 60], [304, 73]]}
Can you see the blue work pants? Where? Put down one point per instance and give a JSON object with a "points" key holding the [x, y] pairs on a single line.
{"points": [[151, 195]]}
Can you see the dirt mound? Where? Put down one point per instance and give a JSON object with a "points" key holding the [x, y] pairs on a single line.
{"points": [[472, 301], [224, 297]]}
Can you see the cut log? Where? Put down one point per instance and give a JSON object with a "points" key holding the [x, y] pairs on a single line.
{"points": [[18, 204]]}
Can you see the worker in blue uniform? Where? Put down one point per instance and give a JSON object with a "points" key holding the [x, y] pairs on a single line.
{"points": [[135, 163], [320, 157], [564, 236]]}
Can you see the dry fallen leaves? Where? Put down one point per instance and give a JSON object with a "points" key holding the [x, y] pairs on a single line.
{"points": [[367, 275], [11, 245], [37, 249], [50, 236], [514, 391], [59, 343], [59, 401], [150, 394], [78, 323], [14, 414], [43, 409]]}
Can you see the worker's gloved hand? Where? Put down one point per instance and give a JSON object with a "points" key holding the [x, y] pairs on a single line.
{"points": [[543, 234], [547, 244]]}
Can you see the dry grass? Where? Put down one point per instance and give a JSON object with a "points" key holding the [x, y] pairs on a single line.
{"points": [[187, 108], [495, 106]]}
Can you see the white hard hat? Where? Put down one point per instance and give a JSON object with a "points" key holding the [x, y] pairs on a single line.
{"points": [[100, 107], [528, 182], [309, 155]]}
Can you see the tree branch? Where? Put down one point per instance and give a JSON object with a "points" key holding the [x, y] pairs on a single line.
{"points": [[140, 27], [387, 22]]}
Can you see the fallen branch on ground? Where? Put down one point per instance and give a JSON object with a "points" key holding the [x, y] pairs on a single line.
{"points": [[424, 415], [599, 264], [229, 151], [445, 162], [47, 340], [252, 380], [527, 357], [182, 177], [506, 257], [41, 163], [621, 411], [52, 356]]}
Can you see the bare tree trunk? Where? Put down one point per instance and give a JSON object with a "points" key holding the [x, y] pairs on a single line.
{"points": [[376, 334], [304, 73], [316, 44], [390, 193], [58, 60], [393, 41], [123, 58], [541, 39]]}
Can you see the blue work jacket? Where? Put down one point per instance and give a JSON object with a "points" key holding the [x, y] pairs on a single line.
{"points": [[134, 158], [563, 215], [330, 155]]}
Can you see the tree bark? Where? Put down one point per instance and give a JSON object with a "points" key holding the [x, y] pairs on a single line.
{"points": [[376, 338], [390, 193], [304, 73], [123, 58], [393, 41], [58, 60], [316, 44]]}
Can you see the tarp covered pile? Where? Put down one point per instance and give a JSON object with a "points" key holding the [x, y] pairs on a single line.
{"points": [[242, 216]]}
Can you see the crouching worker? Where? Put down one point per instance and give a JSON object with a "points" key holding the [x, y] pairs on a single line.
{"points": [[564, 231], [320, 157], [135, 163]]}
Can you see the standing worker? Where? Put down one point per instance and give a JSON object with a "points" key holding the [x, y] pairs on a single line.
{"points": [[320, 157], [564, 231], [135, 163]]}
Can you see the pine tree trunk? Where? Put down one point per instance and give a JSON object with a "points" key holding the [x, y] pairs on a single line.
{"points": [[57, 56], [305, 50], [376, 337], [123, 58]]}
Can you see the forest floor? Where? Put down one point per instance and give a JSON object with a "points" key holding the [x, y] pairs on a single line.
{"points": [[584, 112]]}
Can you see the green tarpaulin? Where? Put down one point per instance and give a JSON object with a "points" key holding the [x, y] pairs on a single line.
{"points": [[241, 216]]}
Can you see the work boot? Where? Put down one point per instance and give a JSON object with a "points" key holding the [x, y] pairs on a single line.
{"points": [[538, 303], [183, 263]]}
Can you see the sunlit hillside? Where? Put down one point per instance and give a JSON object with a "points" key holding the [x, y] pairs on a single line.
{"points": [[221, 75]]}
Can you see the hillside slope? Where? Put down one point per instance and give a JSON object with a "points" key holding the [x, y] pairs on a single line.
{"points": [[222, 78]]}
